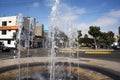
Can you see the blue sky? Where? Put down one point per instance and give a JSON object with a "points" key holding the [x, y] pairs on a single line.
{"points": [[83, 13]]}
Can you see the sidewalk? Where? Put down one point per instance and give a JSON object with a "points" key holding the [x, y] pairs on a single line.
{"points": [[115, 66]]}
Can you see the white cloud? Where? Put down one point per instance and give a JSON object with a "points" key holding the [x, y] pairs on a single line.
{"points": [[84, 28], [105, 21], [36, 4], [109, 19], [72, 13], [115, 13], [68, 13]]}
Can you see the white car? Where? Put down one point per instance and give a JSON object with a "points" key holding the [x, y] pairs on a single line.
{"points": [[4, 48]]}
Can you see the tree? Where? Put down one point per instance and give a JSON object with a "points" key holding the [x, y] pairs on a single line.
{"points": [[60, 37], [106, 39], [79, 36], [95, 32], [85, 36], [103, 40], [87, 41], [110, 37], [63, 38]]}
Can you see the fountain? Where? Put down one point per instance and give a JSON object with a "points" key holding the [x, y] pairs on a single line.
{"points": [[54, 68], [52, 39], [53, 34], [18, 40]]}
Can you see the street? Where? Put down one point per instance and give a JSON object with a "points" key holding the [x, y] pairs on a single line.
{"points": [[38, 52], [114, 56]]}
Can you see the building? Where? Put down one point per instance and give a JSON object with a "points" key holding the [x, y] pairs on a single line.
{"points": [[119, 31], [39, 31], [8, 27], [11, 26], [28, 31], [46, 39], [39, 36], [119, 34]]}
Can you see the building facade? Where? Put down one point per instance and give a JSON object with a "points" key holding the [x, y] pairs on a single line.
{"points": [[39, 36], [28, 31], [119, 30], [9, 29]]}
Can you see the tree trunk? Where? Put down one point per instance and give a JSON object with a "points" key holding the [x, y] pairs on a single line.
{"points": [[95, 43]]}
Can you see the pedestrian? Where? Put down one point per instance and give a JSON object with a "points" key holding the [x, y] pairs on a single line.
{"points": [[14, 52], [56, 48]]}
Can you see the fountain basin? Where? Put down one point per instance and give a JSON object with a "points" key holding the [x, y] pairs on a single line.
{"points": [[87, 70]]}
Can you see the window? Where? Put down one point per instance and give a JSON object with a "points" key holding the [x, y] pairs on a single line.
{"points": [[22, 33], [4, 23], [3, 32], [10, 21], [9, 42]]}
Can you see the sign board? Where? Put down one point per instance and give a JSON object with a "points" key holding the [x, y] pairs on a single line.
{"points": [[8, 27]]}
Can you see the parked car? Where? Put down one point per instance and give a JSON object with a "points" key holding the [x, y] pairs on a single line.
{"points": [[115, 46], [4, 48]]}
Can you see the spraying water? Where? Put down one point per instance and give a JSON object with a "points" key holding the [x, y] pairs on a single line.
{"points": [[20, 25], [53, 25]]}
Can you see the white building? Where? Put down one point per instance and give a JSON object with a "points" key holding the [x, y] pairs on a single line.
{"points": [[9, 28]]}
